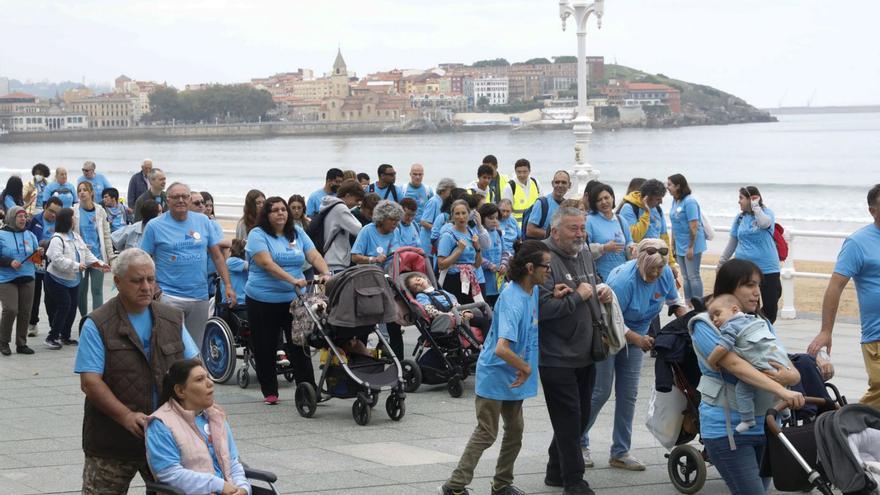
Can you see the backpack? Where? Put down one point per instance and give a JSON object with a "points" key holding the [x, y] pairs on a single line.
{"points": [[781, 243], [545, 205], [512, 184], [315, 229], [391, 189]]}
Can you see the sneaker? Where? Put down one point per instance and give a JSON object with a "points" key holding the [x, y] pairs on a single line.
{"points": [[69, 342], [5, 350], [507, 490], [51, 343], [579, 488], [23, 349], [271, 400], [33, 331], [627, 462], [447, 490], [281, 359], [588, 458]]}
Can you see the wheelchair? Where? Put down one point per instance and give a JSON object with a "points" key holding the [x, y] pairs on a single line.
{"points": [[156, 488]]}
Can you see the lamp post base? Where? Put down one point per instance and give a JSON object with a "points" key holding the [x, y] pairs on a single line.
{"points": [[583, 172]]}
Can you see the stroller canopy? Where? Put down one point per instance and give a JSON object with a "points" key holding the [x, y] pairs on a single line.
{"points": [[360, 296]]}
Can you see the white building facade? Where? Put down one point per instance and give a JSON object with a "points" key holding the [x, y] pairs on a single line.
{"points": [[494, 89]]}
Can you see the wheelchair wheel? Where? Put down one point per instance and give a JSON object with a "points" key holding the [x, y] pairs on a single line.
{"points": [[412, 375], [687, 469], [395, 406], [244, 378], [218, 350], [306, 400]]}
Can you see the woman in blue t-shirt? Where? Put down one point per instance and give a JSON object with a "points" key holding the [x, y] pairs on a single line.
{"points": [[276, 251], [459, 255], [688, 239], [738, 467], [604, 227], [492, 268], [90, 221], [751, 238], [12, 194]]}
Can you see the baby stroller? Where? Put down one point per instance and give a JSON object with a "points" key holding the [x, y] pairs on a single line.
{"points": [[357, 299], [447, 348], [227, 338], [848, 448]]}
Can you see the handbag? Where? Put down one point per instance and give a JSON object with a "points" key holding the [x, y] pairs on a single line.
{"points": [[665, 416], [302, 325], [599, 348], [615, 339]]}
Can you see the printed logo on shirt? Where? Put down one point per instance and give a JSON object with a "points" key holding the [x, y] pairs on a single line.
{"points": [[569, 277], [197, 237], [657, 295]]}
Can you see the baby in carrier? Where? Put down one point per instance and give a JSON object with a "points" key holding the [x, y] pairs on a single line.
{"points": [[440, 303], [750, 337]]}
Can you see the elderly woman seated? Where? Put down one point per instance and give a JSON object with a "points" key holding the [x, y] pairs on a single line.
{"points": [[189, 442]]}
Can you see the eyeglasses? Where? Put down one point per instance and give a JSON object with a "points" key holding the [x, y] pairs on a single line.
{"points": [[178, 197], [652, 250], [545, 266], [87, 170], [198, 202]]}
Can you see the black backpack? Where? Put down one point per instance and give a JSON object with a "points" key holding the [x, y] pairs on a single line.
{"points": [[545, 204], [315, 229], [392, 190]]}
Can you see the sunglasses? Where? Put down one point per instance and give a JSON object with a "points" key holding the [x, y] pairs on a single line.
{"points": [[652, 250], [198, 202], [544, 265]]}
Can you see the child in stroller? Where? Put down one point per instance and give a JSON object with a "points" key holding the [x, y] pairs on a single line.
{"points": [[438, 302]]}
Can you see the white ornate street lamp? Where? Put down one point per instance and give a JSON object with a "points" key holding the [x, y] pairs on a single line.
{"points": [[581, 11]]}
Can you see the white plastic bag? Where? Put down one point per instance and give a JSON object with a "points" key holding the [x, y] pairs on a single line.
{"points": [[665, 416]]}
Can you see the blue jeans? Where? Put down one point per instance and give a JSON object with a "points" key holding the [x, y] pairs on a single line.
{"points": [[739, 468], [622, 372], [690, 273]]}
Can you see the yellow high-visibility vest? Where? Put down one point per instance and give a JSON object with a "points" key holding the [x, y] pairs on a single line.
{"points": [[521, 203]]}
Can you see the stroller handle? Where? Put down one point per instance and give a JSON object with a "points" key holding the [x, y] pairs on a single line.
{"points": [[774, 411]]}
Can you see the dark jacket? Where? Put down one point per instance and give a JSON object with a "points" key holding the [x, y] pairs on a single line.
{"points": [[137, 185], [565, 326], [673, 346], [129, 376]]}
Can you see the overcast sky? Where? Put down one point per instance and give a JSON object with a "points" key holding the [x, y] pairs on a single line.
{"points": [[766, 51]]}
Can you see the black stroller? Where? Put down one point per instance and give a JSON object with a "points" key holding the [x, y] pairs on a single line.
{"points": [[357, 300], [841, 461]]}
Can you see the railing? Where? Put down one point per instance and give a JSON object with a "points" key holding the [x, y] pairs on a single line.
{"points": [[787, 272]]}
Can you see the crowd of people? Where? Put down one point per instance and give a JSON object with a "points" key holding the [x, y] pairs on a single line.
{"points": [[546, 263]]}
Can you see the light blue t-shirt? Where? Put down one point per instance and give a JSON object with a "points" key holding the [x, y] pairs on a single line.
{"points": [[441, 300], [289, 255], [656, 228], [88, 230], [756, 244], [8, 203], [538, 211], [449, 240], [421, 195], [859, 259], [313, 204], [212, 268], [90, 355], [66, 193], [492, 254], [180, 250], [512, 232], [712, 419], [386, 193], [18, 246], [116, 217], [408, 234], [683, 213], [163, 451], [238, 275], [99, 183], [603, 230], [437, 227], [641, 301], [516, 320], [370, 242], [429, 213]]}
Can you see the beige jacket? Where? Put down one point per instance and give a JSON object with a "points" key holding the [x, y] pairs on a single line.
{"points": [[103, 231]]}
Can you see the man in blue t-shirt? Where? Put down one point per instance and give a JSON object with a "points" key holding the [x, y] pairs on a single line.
{"points": [[332, 181], [417, 190], [180, 242], [105, 470], [384, 186], [859, 259], [98, 181], [535, 228]]}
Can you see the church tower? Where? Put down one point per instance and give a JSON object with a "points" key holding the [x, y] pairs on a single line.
{"points": [[339, 77]]}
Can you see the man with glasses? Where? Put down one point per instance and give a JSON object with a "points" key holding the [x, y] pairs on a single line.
{"points": [[43, 227], [384, 186], [98, 181], [568, 303], [180, 243], [538, 223], [156, 192]]}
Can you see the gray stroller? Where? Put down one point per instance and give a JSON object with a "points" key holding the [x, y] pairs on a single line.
{"points": [[837, 455]]}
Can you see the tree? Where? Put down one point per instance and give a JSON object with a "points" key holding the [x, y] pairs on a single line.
{"points": [[483, 102], [226, 103], [537, 61], [498, 62], [565, 59]]}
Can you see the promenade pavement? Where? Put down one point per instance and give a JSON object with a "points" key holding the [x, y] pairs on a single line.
{"points": [[41, 421]]}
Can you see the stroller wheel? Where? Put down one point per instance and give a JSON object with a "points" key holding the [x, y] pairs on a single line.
{"points": [[412, 375], [288, 375], [395, 406], [306, 400], [244, 378], [360, 411], [687, 469], [374, 398], [455, 387]]}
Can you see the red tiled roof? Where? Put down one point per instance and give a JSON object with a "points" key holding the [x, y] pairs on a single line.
{"points": [[17, 95]]}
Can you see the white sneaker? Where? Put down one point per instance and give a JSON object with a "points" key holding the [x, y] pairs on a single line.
{"points": [[33, 331], [588, 458]]}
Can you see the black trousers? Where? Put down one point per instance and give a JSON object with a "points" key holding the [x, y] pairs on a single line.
{"points": [[452, 285], [38, 292], [395, 339], [268, 322], [771, 291], [568, 393]]}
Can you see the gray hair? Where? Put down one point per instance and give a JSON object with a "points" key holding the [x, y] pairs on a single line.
{"points": [[155, 171], [89, 164], [386, 209], [445, 184], [178, 184], [505, 200], [564, 211], [129, 257]]}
